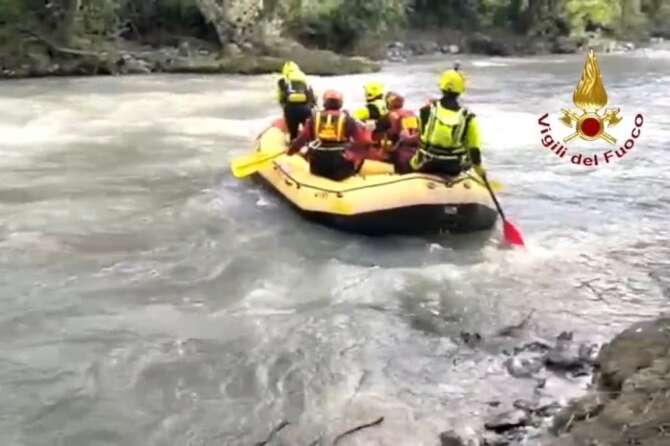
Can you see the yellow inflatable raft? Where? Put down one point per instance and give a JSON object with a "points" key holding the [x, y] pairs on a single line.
{"points": [[377, 201]]}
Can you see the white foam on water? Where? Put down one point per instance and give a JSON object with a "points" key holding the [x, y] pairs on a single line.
{"points": [[488, 63]]}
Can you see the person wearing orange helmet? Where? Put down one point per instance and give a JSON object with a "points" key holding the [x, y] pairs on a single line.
{"points": [[403, 134], [329, 135]]}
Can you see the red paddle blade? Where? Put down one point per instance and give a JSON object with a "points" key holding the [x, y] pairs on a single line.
{"points": [[512, 234]]}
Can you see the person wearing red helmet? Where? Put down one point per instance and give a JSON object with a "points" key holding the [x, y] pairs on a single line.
{"points": [[329, 134], [403, 135]]}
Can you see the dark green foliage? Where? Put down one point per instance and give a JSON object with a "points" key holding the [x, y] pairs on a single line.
{"points": [[334, 24], [338, 24]]}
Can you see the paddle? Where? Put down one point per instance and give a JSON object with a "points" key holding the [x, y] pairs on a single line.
{"points": [[510, 232], [250, 164]]}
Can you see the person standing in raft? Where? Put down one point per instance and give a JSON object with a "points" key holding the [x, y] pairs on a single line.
{"points": [[295, 96], [330, 133], [403, 134], [450, 135]]}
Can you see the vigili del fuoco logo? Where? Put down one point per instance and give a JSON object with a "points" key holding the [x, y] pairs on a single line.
{"points": [[591, 122]]}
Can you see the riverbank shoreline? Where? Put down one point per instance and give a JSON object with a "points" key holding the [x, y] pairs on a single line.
{"points": [[627, 402], [41, 58], [38, 57]]}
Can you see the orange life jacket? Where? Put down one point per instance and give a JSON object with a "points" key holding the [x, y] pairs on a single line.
{"points": [[329, 127], [409, 122]]}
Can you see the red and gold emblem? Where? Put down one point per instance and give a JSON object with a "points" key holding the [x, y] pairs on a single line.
{"points": [[590, 97]]}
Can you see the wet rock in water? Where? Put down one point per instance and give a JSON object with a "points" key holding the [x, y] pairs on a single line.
{"points": [[533, 347], [480, 43], [130, 65], [516, 329], [522, 367], [471, 339], [544, 407], [566, 356], [506, 421], [564, 360], [491, 439], [526, 405], [589, 353], [451, 438], [547, 407]]}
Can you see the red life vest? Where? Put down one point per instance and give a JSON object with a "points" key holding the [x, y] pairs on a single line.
{"points": [[407, 121]]}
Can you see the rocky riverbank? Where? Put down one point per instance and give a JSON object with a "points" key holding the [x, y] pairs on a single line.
{"points": [[496, 43], [38, 58], [628, 402]]}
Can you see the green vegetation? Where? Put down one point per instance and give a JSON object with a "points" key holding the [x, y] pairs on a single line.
{"points": [[91, 26], [334, 24], [338, 24]]}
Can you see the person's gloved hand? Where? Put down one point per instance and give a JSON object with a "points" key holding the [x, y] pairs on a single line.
{"points": [[479, 170]]}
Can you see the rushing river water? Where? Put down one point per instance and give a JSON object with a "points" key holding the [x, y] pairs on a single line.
{"points": [[149, 298]]}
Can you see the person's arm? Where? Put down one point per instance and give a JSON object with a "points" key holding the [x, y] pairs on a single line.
{"points": [[357, 132], [395, 127], [311, 99], [353, 129], [382, 124], [424, 116], [281, 92], [472, 141], [472, 138], [303, 138]]}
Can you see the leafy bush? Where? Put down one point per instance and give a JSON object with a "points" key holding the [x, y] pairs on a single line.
{"points": [[338, 24]]}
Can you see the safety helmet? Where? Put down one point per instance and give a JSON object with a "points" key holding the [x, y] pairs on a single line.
{"points": [[332, 99], [373, 90], [394, 101], [453, 81], [289, 67]]}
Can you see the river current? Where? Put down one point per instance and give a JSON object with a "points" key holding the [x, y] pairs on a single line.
{"points": [[150, 298]]}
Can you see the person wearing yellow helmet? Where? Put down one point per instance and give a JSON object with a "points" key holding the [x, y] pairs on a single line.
{"points": [[374, 116], [295, 96], [450, 135], [375, 106]]}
